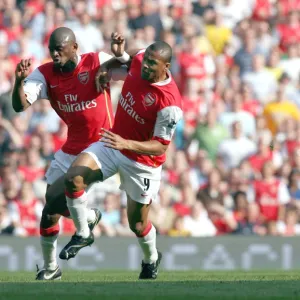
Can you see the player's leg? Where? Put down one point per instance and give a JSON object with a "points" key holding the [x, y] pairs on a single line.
{"points": [[96, 163], [146, 233], [54, 208], [83, 172], [141, 184], [49, 230]]}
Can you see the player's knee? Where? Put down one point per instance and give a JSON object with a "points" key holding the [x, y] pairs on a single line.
{"points": [[74, 183], [48, 219], [137, 227]]}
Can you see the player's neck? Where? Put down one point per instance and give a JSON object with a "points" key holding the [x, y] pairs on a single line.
{"points": [[70, 65], [161, 78]]}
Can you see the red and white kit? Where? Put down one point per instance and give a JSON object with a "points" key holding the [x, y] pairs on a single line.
{"points": [[145, 111], [269, 196], [75, 99]]}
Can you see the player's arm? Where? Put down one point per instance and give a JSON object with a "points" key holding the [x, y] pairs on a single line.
{"points": [[165, 126], [28, 87], [19, 100], [110, 69], [118, 49], [114, 141]]}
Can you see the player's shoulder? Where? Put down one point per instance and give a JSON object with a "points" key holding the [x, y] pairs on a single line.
{"points": [[46, 68], [140, 54], [138, 57], [96, 57], [41, 73], [89, 57], [169, 93]]}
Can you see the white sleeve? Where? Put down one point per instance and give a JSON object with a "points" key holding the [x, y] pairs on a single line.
{"points": [[104, 57], [35, 86], [166, 121], [114, 74], [283, 194]]}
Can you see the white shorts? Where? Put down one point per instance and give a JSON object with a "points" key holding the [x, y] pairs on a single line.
{"points": [[139, 181], [59, 166]]}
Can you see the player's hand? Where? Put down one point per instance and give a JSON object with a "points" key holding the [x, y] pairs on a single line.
{"points": [[102, 79], [117, 44], [23, 69], [112, 140]]}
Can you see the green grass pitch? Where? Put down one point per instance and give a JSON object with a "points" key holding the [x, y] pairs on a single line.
{"points": [[115, 285]]}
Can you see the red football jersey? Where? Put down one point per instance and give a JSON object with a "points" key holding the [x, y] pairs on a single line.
{"points": [[257, 161], [75, 99], [191, 66], [147, 111], [269, 196], [28, 216]]}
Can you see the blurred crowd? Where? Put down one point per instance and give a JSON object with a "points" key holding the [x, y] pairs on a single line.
{"points": [[237, 63]]}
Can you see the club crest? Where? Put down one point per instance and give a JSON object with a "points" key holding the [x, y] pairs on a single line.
{"points": [[84, 77], [149, 99]]}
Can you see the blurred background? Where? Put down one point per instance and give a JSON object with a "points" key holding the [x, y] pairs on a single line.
{"points": [[237, 63]]}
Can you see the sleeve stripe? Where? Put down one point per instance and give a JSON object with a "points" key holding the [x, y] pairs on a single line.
{"points": [[161, 140]]}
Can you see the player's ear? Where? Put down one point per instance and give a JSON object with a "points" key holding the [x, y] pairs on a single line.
{"points": [[75, 46], [167, 66]]}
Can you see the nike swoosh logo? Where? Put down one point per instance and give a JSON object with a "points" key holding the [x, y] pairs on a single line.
{"points": [[53, 86], [50, 276], [129, 73]]}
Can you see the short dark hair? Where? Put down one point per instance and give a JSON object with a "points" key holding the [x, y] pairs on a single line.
{"points": [[164, 50], [238, 194]]}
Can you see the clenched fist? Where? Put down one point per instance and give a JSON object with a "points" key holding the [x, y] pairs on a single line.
{"points": [[23, 69], [117, 44]]}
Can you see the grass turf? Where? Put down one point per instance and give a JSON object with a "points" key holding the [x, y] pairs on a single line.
{"points": [[170, 285]]}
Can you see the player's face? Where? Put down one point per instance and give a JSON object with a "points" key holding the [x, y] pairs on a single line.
{"points": [[61, 53], [152, 66]]}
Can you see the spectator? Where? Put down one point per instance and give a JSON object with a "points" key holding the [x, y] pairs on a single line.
{"points": [[237, 148], [223, 220], [261, 81], [289, 226], [291, 64], [148, 17], [294, 186], [198, 223], [237, 114], [89, 37], [212, 192], [177, 229], [218, 34], [280, 110], [122, 228], [29, 209], [270, 194], [244, 56], [219, 53], [210, 134]]}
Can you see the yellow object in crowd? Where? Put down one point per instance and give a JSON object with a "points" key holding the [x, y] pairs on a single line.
{"points": [[218, 37], [277, 112]]}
